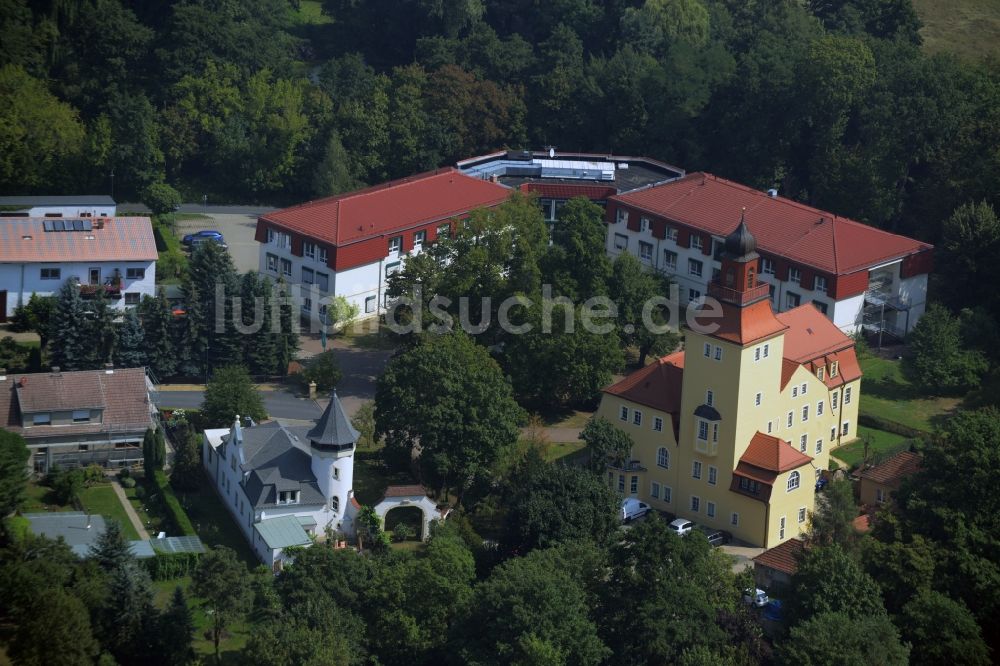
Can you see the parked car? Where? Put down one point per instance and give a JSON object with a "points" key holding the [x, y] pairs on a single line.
{"points": [[756, 597], [632, 509], [203, 235], [715, 537], [680, 527]]}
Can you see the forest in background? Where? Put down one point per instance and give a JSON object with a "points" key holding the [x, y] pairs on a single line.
{"points": [[831, 101]]}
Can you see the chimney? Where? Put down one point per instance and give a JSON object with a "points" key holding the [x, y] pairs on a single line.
{"points": [[109, 368], [55, 369]]}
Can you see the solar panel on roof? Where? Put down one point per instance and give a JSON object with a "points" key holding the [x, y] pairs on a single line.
{"points": [[48, 225], [77, 225], [88, 225], [57, 225]]}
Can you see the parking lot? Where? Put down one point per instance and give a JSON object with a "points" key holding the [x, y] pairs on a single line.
{"points": [[238, 230]]}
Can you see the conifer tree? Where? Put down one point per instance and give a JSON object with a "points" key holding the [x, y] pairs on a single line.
{"points": [[176, 630], [70, 348], [191, 339], [260, 346], [288, 339], [158, 335], [130, 619], [130, 348], [149, 453], [111, 550], [211, 269], [100, 330]]}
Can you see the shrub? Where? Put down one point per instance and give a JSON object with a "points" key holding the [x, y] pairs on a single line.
{"points": [[403, 532], [140, 492], [161, 198], [93, 474], [67, 486], [129, 482], [178, 517], [124, 473]]}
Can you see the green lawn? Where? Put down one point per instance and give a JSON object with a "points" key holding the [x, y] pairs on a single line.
{"points": [[887, 394], [969, 29], [102, 500], [99, 500], [563, 451], [213, 522], [310, 12], [568, 419], [879, 441], [234, 640], [151, 513]]}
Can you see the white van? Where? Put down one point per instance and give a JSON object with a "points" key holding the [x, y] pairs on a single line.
{"points": [[633, 508]]}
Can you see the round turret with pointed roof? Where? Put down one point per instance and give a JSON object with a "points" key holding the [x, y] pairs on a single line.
{"points": [[333, 431], [741, 244]]}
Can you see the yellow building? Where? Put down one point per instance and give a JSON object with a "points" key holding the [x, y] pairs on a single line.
{"points": [[733, 431]]}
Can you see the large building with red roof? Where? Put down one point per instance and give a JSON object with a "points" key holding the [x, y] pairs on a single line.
{"points": [[733, 431], [844, 268], [347, 245], [38, 255]]}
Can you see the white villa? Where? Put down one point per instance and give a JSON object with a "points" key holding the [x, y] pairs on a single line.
{"points": [[285, 484]]}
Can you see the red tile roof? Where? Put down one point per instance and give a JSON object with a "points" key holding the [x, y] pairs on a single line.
{"points": [[405, 491], [658, 385], [393, 206], [784, 557], [773, 454], [863, 523], [742, 325], [810, 334], [24, 240], [783, 227], [122, 395], [894, 469]]}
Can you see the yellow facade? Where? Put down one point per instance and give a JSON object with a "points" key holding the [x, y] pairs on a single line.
{"points": [[691, 477]]}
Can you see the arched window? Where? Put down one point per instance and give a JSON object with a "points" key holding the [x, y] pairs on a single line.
{"points": [[335, 503], [751, 277], [663, 457], [793, 481], [730, 278]]}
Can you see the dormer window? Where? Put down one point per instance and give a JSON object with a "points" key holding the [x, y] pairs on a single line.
{"points": [[288, 497], [820, 373], [81, 415], [834, 368], [41, 419]]}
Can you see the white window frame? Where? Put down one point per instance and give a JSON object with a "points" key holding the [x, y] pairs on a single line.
{"points": [[663, 457], [794, 275], [695, 504], [718, 353], [419, 238], [767, 266], [834, 398], [670, 259], [135, 273], [708, 350], [713, 475], [623, 413], [819, 408], [309, 249], [791, 419], [803, 443], [820, 284], [847, 395], [802, 514], [794, 481], [622, 216], [657, 424], [734, 519], [668, 494], [696, 267], [702, 430], [696, 469], [805, 413], [621, 242], [50, 273], [710, 509], [757, 399], [654, 490], [781, 528], [636, 417], [709, 397], [645, 251], [819, 446], [696, 242], [845, 428], [671, 233], [395, 245]]}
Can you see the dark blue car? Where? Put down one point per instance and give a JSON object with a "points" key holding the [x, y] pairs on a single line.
{"points": [[204, 235]]}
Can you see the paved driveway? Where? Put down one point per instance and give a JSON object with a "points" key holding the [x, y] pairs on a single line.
{"points": [[238, 230]]}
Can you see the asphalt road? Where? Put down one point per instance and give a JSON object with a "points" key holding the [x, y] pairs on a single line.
{"points": [[279, 404]]}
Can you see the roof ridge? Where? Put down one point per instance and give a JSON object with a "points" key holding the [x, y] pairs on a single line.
{"points": [[370, 189]]}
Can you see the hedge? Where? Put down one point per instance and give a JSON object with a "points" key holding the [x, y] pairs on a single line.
{"points": [[164, 566], [879, 423], [178, 516]]}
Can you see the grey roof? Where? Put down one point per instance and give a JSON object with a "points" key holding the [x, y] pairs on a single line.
{"points": [[71, 527], [333, 429], [282, 532], [276, 458], [70, 200]]}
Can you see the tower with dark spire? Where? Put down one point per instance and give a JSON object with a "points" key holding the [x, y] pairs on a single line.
{"points": [[332, 442], [738, 282]]}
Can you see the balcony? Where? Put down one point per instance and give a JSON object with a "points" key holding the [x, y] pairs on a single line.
{"points": [[730, 295], [112, 288]]}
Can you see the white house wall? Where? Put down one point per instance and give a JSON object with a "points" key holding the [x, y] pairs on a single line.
{"points": [[75, 211], [20, 281]]}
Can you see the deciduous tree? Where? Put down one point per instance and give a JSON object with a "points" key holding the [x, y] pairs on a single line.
{"points": [[220, 581], [229, 393]]}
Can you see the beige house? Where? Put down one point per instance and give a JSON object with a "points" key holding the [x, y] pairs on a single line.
{"points": [[733, 431], [880, 482]]}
